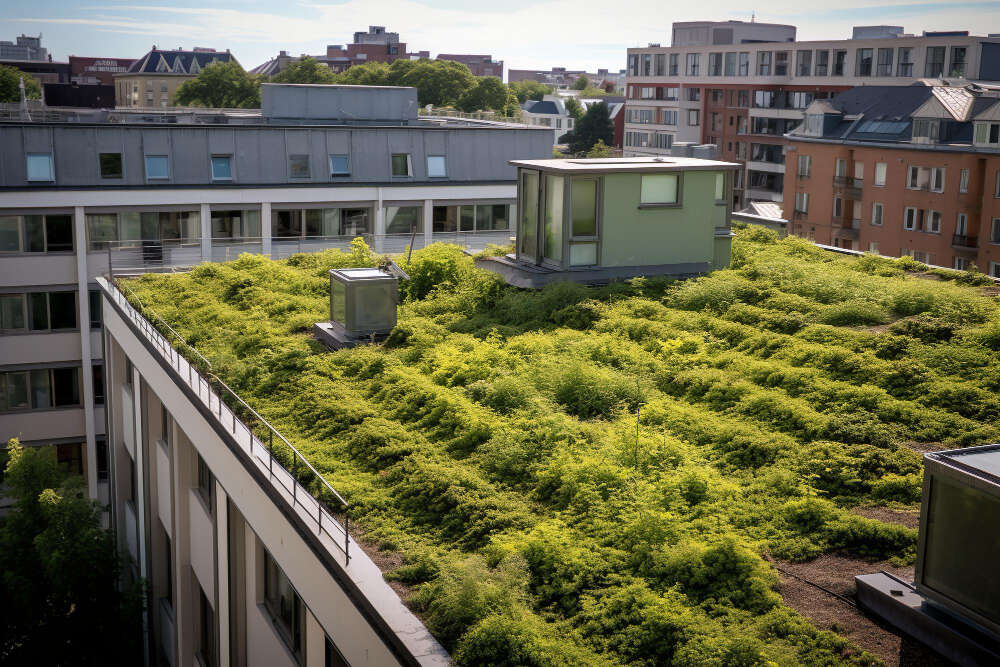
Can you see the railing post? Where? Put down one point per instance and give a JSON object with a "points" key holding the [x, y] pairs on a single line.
{"points": [[270, 452], [347, 534], [295, 483]]}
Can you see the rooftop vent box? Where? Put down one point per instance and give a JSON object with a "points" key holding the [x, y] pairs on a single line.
{"points": [[362, 306]]}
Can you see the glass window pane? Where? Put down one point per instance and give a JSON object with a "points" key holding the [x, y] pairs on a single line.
{"points": [[720, 187], [38, 311], [17, 390], [102, 228], [659, 189], [130, 226], [34, 233], [62, 310], [40, 394], [554, 216], [288, 224], [354, 222], [222, 169], [583, 254], [95, 308], [584, 207], [338, 302], [528, 225], [156, 166], [65, 386], [436, 166], [339, 165], [403, 220], [400, 164], [251, 224], [467, 219], [10, 233], [58, 233], [445, 219], [12, 312], [298, 166], [111, 165], [40, 167]]}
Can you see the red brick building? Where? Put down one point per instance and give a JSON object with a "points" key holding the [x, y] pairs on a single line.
{"points": [[97, 70], [479, 65]]}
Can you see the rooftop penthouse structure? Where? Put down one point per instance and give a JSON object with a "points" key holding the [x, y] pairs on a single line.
{"points": [[597, 220]]}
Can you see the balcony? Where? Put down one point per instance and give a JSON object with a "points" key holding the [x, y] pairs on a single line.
{"points": [[799, 215], [851, 187], [963, 242]]}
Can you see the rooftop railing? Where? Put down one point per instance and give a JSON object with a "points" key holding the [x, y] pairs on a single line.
{"points": [[306, 491]]}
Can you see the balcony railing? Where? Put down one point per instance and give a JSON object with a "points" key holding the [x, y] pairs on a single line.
{"points": [[307, 492], [963, 241]]}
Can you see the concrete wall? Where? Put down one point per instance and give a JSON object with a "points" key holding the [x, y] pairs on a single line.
{"points": [[633, 236]]}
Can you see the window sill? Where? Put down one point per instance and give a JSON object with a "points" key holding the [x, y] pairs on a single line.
{"points": [[657, 205], [35, 332], [20, 411]]}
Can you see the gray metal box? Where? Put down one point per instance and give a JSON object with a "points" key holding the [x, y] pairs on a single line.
{"points": [[363, 301]]}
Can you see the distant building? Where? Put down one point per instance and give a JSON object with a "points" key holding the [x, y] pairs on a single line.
{"points": [[549, 112], [152, 81], [45, 71], [557, 77], [376, 45], [97, 70], [25, 48], [479, 65], [86, 96], [901, 170]]}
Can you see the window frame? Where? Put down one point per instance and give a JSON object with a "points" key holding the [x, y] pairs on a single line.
{"points": [[347, 163], [121, 166], [299, 157], [444, 166], [293, 636], [678, 193], [910, 221], [219, 156], [880, 216], [882, 167], [166, 163], [51, 178], [930, 217], [392, 165]]}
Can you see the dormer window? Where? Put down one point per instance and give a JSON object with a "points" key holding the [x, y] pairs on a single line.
{"points": [[987, 134], [926, 130], [814, 124]]}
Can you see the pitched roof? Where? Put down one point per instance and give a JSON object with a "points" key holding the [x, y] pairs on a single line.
{"points": [[177, 61], [764, 209], [545, 106]]}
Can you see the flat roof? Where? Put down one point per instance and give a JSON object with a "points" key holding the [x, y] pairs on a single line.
{"points": [[983, 461], [624, 164]]}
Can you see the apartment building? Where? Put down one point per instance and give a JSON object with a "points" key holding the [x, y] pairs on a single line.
{"points": [[375, 45], [909, 170], [479, 65], [244, 565], [152, 190], [153, 80], [742, 86], [24, 48], [550, 113]]}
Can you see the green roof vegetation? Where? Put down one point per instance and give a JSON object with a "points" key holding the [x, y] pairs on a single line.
{"points": [[492, 440]]}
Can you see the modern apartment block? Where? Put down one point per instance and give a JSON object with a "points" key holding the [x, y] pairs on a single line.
{"points": [[901, 171], [152, 80], [742, 86], [25, 48], [147, 191]]}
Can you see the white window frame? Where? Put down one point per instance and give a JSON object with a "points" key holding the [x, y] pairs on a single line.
{"points": [[910, 220], [49, 178], [806, 161], [409, 166], [211, 164], [881, 169], [347, 159], [145, 166], [962, 224], [933, 224], [936, 182], [878, 211], [963, 181], [438, 173]]}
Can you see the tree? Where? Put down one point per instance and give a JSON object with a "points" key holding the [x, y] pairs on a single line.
{"points": [[60, 572], [529, 90], [488, 93], [581, 82], [306, 70], [369, 74], [590, 91], [438, 82], [511, 107], [221, 85], [600, 149], [574, 109], [595, 126], [10, 85]]}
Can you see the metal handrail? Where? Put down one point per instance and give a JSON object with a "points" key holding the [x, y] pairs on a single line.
{"points": [[116, 285]]}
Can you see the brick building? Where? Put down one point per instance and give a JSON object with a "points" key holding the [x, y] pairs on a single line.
{"points": [[479, 65], [97, 70], [912, 170]]}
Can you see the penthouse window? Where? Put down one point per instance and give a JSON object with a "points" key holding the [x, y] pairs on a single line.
{"points": [[157, 167], [647, 64], [781, 63], [693, 64], [437, 166], [39, 167], [401, 165], [38, 311], [633, 64], [715, 64], [39, 389], [987, 134], [934, 61], [340, 165], [763, 63], [36, 233], [298, 166], [958, 62], [803, 64], [673, 67], [822, 63], [863, 62], [883, 65], [839, 62], [904, 58], [111, 165], [222, 167], [744, 64], [661, 64], [731, 63]]}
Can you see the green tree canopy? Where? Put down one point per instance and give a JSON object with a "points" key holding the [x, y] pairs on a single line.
{"points": [[590, 91], [10, 85], [581, 82], [306, 70], [530, 90], [221, 85], [438, 82], [60, 572], [595, 126], [600, 149], [488, 93], [369, 74], [574, 108]]}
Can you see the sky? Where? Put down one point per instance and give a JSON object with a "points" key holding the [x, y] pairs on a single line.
{"points": [[525, 34]]}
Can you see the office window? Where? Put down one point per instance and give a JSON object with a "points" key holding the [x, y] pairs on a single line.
{"points": [[40, 389], [715, 64], [40, 167], [298, 166], [401, 164], [110, 165], [883, 64], [805, 164], [69, 458], [839, 62], [801, 202], [904, 66], [672, 71], [340, 165], [803, 63], [693, 63], [937, 179], [404, 219], [222, 168], [744, 69], [934, 63], [822, 63], [730, 63], [880, 169], [963, 181], [658, 189], [436, 166], [863, 62], [781, 63], [693, 119], [910, 219], [764, 63], [156, 167], [958, 62], [933, 222], [877, 214], [205, 482], [284, 605], [36, 233]]}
